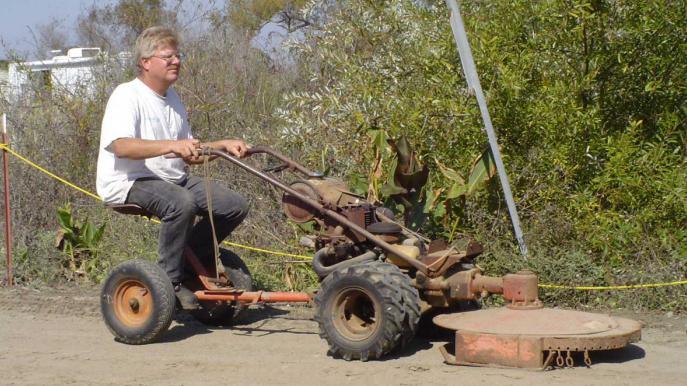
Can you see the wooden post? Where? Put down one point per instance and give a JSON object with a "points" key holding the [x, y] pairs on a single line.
{"points": [[6, 183]]}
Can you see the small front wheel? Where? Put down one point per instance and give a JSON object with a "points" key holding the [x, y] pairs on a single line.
{"points": [[137, 302]]}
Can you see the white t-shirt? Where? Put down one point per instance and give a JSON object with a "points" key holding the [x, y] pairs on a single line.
{"points": [[134, 110]]}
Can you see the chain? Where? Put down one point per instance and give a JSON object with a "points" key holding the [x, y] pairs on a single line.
{"points": [[560, 362], [564, 360], [549, 359], [569, 360]]}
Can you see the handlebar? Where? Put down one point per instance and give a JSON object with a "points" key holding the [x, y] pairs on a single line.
{"points": [[286, 161]]}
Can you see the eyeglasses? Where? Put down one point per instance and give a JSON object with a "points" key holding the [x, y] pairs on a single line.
{"points": [[169, 58]]}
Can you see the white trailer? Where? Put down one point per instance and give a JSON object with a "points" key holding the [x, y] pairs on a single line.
{"points": [[66, 74]]}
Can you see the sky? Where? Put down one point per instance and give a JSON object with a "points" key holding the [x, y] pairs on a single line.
{"points": [[17, 16]]}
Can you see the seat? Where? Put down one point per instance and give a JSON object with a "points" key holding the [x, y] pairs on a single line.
{"points": [[130, 209], [384, 228]]}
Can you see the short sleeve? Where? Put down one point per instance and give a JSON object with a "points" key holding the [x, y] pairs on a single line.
{"points": [[175, 103], [185, 130], [121, 118]]}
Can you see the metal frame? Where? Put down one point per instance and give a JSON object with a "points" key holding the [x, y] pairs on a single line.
{"points": [[470, 71], [215, 286], [331, 214]]}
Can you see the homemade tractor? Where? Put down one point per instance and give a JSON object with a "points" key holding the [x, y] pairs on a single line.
{"points": [[377, 279]]}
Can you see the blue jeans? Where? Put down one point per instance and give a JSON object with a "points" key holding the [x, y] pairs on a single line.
{"points": [[176, 205]]}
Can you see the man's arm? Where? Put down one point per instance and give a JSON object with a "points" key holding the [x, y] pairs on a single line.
{"points": [[136, 148]]}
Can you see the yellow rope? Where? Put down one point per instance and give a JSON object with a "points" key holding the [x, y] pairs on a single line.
{"points": [[268, 252], [613, 287], [4, 146]]}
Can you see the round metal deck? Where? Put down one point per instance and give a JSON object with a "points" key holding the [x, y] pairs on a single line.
{"points": [[521, 338]]}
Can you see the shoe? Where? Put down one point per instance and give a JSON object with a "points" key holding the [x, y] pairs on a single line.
{"points": [[186, 298]]}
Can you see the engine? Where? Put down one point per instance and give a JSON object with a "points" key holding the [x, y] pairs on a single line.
{"points": [[335, 195]]}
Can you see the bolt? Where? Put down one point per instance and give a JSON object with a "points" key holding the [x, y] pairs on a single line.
{"points": [[133, 303]]}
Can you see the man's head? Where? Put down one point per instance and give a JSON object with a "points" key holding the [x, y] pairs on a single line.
{"points": [[156, 55]]}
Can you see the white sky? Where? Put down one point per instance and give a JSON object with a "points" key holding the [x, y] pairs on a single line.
{"points": [[17, 16]]}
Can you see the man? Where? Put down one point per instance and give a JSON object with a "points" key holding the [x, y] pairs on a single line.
{"points": [[145, 145]]}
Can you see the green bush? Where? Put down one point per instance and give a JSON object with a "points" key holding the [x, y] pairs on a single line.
{"points": [[588, 99]]}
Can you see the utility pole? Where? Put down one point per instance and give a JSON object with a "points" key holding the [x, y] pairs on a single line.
{"points": [[470, 71]]}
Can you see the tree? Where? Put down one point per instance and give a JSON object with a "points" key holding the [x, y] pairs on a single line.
{"points": [[251, 15], [588, 99], [49, 36], [115, 27]]}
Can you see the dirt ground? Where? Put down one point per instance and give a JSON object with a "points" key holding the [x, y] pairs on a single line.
{"points": [[56, 337]]}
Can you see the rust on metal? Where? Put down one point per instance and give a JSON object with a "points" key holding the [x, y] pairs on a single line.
{"points": [[521, 290], [133, 303], [353, 314], [204, 273], [294, 208], [290, 164], [510, 351], [488, 284], [331, 214], [129, 306], [254, 296], [533, 338]]}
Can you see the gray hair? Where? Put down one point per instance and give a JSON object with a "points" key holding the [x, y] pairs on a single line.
{"points": [[152, 39]]}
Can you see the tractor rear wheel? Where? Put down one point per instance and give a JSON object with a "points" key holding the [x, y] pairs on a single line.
{"points": [[367, 310], [221, 313], [411, 302], [137, 302]]}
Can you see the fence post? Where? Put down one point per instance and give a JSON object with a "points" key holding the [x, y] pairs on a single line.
{"points": [[6, 183]]}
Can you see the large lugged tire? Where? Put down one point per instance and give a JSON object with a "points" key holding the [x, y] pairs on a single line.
{"points": [[411, 302], [367, 310], [137, 302], [221, 313]]}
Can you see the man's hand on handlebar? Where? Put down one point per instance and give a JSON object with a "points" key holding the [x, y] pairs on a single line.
{"points": [[186, 148], [235, 147], [190, 149]]}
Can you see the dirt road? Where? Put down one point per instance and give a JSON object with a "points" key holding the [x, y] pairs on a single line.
{"points": [[56, 337]]}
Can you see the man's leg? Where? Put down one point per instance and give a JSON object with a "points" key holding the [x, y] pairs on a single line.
{"points": [[229, 208], [175, 207]]}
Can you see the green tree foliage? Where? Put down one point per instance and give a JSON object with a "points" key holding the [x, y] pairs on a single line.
{"points": [[588, 98], [115, 26], [250, 15]]}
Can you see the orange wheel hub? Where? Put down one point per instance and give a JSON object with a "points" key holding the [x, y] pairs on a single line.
{"points": [[133, 303], [356, 314]]}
